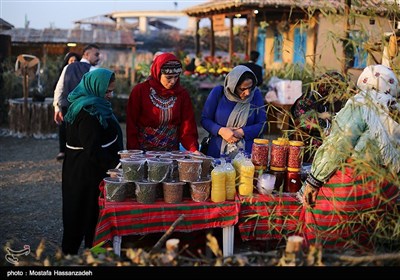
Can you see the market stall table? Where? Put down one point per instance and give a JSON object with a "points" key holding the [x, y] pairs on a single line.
{"points": [[117, 219], [265, 217]]}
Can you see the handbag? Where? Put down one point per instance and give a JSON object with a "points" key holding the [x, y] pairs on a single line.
{"points": [[204, 144]]}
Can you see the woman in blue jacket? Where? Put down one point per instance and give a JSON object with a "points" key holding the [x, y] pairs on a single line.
{"points": [[234, 114]]}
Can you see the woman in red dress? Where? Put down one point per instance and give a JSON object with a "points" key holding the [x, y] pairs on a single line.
{"points": [[160, 113]]}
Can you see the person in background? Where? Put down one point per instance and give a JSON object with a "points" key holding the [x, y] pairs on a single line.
{"points": [[69, 58], [354, 176], [159, 113], [94, 138], [68, 80], [190, 66], [257, 69], [234, 114], [312, 113]]}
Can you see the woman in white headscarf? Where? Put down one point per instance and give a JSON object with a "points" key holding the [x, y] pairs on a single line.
{"points": [[354, 175]]}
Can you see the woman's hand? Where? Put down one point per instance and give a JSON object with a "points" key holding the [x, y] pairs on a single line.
{"points": [[197, 152], [325, 115], [309, 195], [238, 132], [228, 134]]}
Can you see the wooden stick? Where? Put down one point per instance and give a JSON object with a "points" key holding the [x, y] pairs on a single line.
{"points": [[167, 234]]}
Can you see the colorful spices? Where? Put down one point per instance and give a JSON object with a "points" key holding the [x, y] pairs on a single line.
{"points": [[158, 169], [200, 191], [129, 153], [133, 169], [189, 170], [295, 154], [130, 190], [173, 191], [259, 152], [146, 192], [278, 154], [114, 189]]}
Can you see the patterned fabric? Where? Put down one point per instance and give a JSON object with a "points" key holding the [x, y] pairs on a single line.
{"points": [[347, 210], [162, 138], [172, 67], [264, 217], [133, 218]]}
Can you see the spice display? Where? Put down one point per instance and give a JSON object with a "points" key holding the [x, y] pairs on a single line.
{"points": [[173, 191], [200, 191], [114, 189], [157, 153], [174, 173], [133, 169], [130, 188], [293, 181], [295, 154], [279, 150], [158, 169], [189, 170], [146, 192], [129, 153], [259, 152], [205, 165]]}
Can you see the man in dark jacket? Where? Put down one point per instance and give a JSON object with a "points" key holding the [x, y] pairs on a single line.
{"points": [[70, 77]]}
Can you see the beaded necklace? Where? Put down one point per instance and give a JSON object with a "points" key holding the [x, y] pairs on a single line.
{"points": [[162, 103]]}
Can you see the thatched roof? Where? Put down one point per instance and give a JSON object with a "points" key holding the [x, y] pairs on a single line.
{"points": [[230, 6], [80, 36]]}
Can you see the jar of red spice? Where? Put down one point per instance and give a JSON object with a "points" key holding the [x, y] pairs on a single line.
{"points": [[259, 152], [293, 180], [278, 154], [295, 154]]}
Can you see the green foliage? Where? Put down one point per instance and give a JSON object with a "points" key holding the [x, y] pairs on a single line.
{"points": [[197, 96]]}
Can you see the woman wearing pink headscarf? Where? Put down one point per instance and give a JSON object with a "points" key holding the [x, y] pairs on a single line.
{"points": [[354, 176]]}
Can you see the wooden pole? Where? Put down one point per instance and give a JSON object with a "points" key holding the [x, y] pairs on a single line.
{"points": [[167, 234], [231, 40]]}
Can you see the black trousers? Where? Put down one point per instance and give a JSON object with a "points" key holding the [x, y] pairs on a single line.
{"points": [[62, 135]]}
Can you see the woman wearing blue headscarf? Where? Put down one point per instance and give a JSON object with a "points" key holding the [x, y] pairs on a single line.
{"points": [[94, 138]]}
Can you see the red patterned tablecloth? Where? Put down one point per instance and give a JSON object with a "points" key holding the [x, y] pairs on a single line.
{"points": [[132, 218], [264, 217]]}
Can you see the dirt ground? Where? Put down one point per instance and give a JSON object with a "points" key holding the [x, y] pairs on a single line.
{"points": [[30, 188]]}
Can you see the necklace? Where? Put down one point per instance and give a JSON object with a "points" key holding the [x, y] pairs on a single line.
{"points": [[161, 103]]}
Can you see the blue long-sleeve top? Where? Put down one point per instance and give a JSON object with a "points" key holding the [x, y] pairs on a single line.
{"points": [[215, 114]]}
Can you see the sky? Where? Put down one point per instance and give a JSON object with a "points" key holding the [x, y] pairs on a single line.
{"points": [[62, 13]]}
